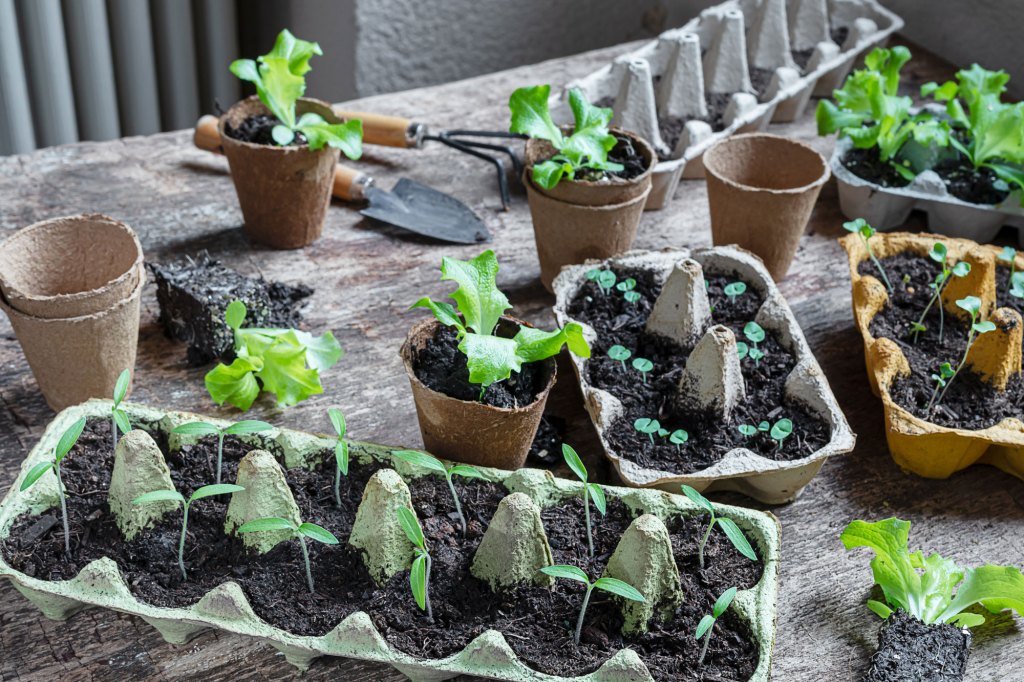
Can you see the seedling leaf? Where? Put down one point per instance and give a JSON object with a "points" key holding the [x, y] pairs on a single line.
{"points": [[420, 459], [723, 602], [159, 496], [737, 538], [620, 588], [411, 526], [597, 495], [568, 572], [121, 387], [574, 462], [318, 533], [34, 474], [215, 489], [267, 524], [69, 438], [704, 625], [698, 499]]}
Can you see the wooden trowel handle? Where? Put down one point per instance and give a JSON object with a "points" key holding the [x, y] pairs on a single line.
{"points": [[388, 131], [349, 184]]}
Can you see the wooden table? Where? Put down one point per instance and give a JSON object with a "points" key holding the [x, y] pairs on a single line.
{"points": [[180, 200]]}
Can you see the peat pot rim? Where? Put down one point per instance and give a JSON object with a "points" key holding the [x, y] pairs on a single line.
{"points": [[252, 106], [773, 145], [78, 319]]}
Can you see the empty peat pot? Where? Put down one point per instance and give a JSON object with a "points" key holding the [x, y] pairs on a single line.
{"points": [[284, 192], [761, 189], [471, 431], [581, 219], [71, 287]]}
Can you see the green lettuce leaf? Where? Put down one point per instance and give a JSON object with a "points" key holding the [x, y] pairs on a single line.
{"points": [[530, 115], [348, 136], [478, 297], [489, 358], [234, 384]]}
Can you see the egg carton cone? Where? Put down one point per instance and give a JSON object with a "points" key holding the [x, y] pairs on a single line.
{"points": [[794, 49]]}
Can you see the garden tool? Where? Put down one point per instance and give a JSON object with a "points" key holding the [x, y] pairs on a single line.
{"points": [[409, 205]]}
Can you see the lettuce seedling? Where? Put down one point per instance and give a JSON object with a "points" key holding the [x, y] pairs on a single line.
{"points": [[208, 429], [747, 430], [626, 285], [728, 526], [612, 585], [591, 491], [619, 354], [426, 461], [932, 589], [492, 358], [866, 232], [972, 304], [678, 438], [285, 362], [175, 496], [707, 623], [280, 80], [647, 426], [632, 297], [939, 254], [1017, 285], [781, 430], [118, 417], [755, 334], [64, 445], [643, 365], [299, 532], [945, 373], [419, 574], [735, 290], [586, 148], [340, 450]]}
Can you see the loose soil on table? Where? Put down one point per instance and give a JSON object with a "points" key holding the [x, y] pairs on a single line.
{"points": [[536, 621], [969, 403], [258, 129], [910, 650], [866, 164], [619, 322]]}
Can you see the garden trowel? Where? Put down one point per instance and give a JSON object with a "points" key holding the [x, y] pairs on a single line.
{"points": [[409, 205]]}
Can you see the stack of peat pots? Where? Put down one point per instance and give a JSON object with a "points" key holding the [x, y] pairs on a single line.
{"points": [[71, 288]]}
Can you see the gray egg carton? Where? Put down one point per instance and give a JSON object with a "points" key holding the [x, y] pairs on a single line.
{"points": [[713, 376], [714, 54], [100, 584], [887, 207]]}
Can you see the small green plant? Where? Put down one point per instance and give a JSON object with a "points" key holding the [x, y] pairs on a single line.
{"points": [[426, 461], [747, 430], [340, 450], [971, 304], [643, 365], [755, 334], [626, 285], [1017, 285], [492, 358], [64, 445], [612, 585], [591, 491], [866, 232], [781, 430], [932, 589], [735, 290], [619, 354], [939, 254], [419, 575], [728, 526], [945, 373], [586, 148], [631, 296], [175, 496], [605, 281], [1016, 281], [647, 426], [285, 362], [678, 438], [280, 80], [118, 417], [208, 429], [299, 532], [707, 623]]}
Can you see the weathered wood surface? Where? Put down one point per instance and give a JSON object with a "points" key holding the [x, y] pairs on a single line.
{"points": [[180, 200]]}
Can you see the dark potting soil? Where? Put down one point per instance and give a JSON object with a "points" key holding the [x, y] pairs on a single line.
{"points": [[441, 366], [546, 449], [866, 164], [760, 79], [619, 322], [633, 162], [969, 402], [977, 186], [910, 650], [258, 130], [535, 621], [193, 294]]}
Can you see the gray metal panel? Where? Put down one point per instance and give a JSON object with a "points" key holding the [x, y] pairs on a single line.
{"points": [[176, 63], [216, 47], [92, 69], [16, 131], [134, 66], [49, 78]]}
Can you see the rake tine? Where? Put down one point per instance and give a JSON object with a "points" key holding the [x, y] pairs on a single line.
{"points": [[498, 164]]}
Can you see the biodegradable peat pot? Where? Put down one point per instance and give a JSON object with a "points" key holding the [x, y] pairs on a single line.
{"points": [[762, 189], [917, 445], [468, 431], [577, 220], [70, 266], [284, 192]]}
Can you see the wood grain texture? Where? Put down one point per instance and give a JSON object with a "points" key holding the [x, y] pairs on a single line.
{"points": [[180, 200]]}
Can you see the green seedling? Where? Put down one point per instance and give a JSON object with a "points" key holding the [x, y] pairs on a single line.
{"points": [[1009, 256], [1017, 285], [747, 430], [491, 358], [64, 445], [631, 296], [207, 429], [939, 254], [742, 350], [972, 304], [426, 461], [707, 623], [605, 281], [175, 496], [735, 290], [866, 232], [647, 426], [118, 417], [755, 334], [619, 354], [781, 430], [591, 491], [299, 532], [945, 373], [678, 438], [643, 365], [280, 80], [728, 526], [764, 426], [340, 450], [626, 285], [419, 575], [611, 585]]}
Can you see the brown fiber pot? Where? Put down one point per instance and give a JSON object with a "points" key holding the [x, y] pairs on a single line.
{"points": [[284, 192], [575, 221], [467, 431], [762, 189]]}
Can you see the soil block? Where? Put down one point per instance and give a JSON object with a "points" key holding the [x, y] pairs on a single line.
{"points": [[910, 650]]}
